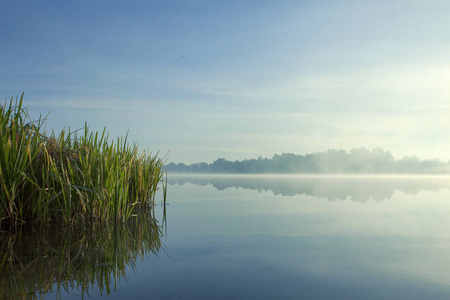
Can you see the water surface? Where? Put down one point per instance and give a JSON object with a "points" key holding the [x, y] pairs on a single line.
{"points": [[296, 237]]}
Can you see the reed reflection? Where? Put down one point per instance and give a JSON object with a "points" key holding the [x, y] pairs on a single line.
{"points": [[355, 188], [35, 262]]}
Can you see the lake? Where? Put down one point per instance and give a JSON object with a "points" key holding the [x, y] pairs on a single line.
{"points": [[263, 237]]}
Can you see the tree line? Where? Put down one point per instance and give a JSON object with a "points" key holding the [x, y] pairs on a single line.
{"points": [[356, 161]]}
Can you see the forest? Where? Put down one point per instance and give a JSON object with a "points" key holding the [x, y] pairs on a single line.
{"points": [[356, 161]]}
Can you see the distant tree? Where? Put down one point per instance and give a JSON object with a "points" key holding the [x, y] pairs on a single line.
{"points": [[358, 160]]}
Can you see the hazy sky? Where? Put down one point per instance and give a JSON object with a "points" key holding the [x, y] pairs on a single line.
{"points": [[236, 79]]}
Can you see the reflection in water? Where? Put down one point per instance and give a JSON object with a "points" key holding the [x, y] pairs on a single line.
{"points": [[35, 262], [355, 188]]}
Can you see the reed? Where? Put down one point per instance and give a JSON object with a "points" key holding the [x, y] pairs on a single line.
{"points": [[70, 177]]}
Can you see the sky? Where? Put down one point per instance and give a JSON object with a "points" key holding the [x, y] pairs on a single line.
{"points": [[199, 80]]}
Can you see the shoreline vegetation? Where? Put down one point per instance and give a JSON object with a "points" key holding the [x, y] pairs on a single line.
{"points": [[70, 178], [358, 161]]}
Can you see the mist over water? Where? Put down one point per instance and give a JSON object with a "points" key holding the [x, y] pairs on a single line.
{"points": [[359, 188]]}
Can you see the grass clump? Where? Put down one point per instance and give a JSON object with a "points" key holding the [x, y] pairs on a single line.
{"points": [[68, 177]]}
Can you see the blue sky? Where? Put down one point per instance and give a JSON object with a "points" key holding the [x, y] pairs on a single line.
{"points": [[236, 79]]}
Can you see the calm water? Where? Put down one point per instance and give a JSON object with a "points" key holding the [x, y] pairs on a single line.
{"points": [[282, 237]]}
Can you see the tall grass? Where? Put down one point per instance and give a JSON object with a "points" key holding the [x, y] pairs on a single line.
{"points": [[70, 177]]}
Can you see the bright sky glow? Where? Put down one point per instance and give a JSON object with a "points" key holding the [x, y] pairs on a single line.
{"points": [[236, 79]]}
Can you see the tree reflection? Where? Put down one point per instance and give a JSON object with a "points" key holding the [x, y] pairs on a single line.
{"points": [[79, 259], [355, 188]]}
